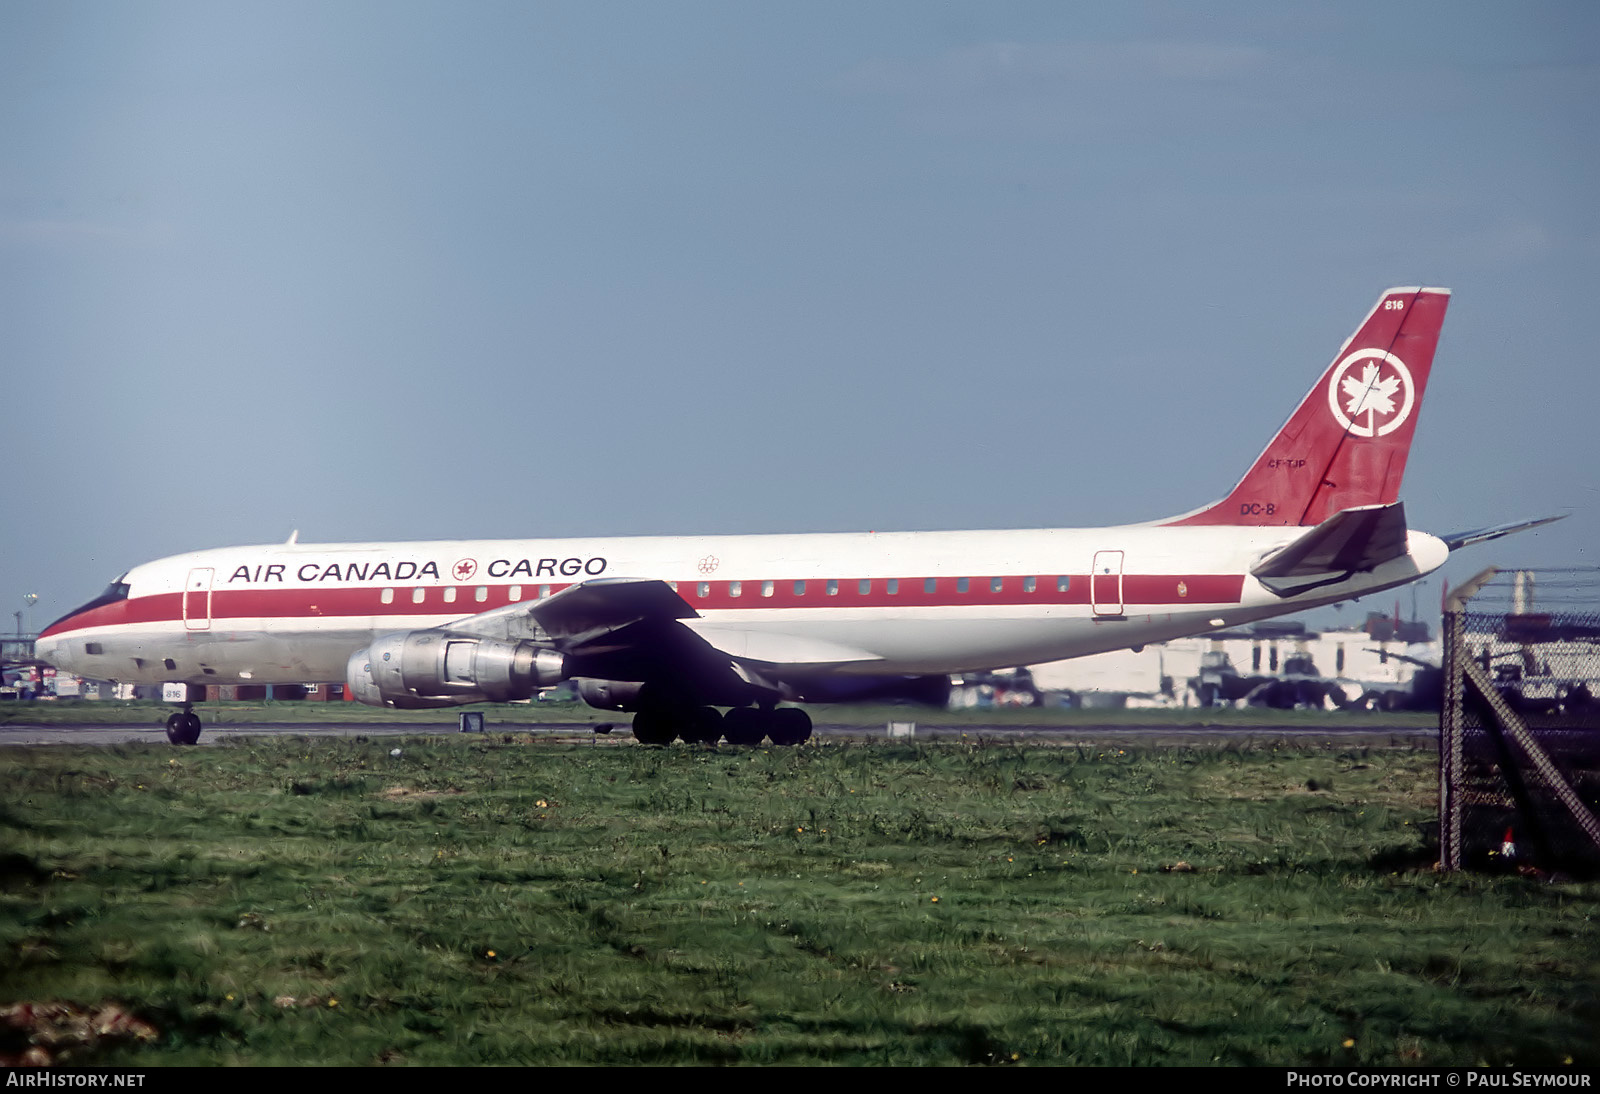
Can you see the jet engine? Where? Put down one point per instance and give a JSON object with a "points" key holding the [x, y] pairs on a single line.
{"points": [[414, 669]]}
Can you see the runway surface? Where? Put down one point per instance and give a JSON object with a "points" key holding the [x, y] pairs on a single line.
{"points": [[1358, 736]]}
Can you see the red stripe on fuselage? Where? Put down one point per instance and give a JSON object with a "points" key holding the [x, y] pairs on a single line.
{"points": [[311, 602]]}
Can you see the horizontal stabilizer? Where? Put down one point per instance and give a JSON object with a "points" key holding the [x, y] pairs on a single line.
{"points": [[1351, 541], [1483, 535]]}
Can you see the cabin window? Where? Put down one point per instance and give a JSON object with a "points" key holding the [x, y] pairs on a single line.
{"points": [[930, 585], [963, 584], [1062, 583], [892, 586], [833, 587], [673, 585], [766, 588], [544, 591], [1029, 584], [450, 595], [387, 596], [514, 593], [864, 587], [481, 593], [996, 584], [799, 588], [735, 588], [703, 589], [418, 595]]}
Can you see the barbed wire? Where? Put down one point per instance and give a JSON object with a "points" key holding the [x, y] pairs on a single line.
{"points": [[1546, 589]]}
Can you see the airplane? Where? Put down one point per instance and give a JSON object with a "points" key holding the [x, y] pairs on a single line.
{"points": [[674, 628]]}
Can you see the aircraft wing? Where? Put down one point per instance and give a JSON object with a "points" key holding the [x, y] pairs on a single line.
{"points": [[584, 613], [631, 629], [581, 615], [1350, 541]]}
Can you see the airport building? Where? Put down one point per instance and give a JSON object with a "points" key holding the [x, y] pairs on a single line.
{"points": [[1387, 664]]}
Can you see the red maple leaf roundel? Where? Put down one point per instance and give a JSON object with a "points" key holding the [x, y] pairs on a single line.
{"points": [[464, 569]]}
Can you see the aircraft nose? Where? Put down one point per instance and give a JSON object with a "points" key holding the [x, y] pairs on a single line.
{"points": [[54, 654], [63, 643], [52, 646]]}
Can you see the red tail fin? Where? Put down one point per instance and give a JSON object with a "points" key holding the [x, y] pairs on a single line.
{"points": [[1347, 443]]}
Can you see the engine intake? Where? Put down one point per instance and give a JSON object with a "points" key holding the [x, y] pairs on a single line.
{"points": [[415, 669]]}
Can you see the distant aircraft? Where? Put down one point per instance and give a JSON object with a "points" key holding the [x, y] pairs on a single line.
{"points": [[675, 628]]}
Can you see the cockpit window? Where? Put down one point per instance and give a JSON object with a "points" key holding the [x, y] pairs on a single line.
{"points": [[117, 590]]}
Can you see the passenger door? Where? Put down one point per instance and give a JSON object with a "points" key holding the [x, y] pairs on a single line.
{"points": [[1105, 584], [197, 599]]}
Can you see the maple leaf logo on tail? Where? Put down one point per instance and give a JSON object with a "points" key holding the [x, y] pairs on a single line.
{"points": [[1370, 395], [1369, 407]]}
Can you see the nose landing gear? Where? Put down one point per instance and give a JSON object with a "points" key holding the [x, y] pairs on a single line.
{"points": [[183, 728]]}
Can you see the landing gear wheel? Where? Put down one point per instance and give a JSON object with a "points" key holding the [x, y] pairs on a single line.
{"points": [[744, 726], [654, 726], [790, 726], [183, 728]]}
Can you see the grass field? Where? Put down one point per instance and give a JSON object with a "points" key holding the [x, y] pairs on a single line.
{"points": [[512, 900]]}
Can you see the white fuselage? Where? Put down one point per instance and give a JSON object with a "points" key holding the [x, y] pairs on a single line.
{"points": [[866, 603]]}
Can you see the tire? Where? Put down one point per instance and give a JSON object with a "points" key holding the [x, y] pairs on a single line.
{"points": [[654, 726], [183, 728], [790, 726]]}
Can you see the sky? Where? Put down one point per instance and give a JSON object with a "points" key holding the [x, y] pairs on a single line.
{"points": [[401, 270]]}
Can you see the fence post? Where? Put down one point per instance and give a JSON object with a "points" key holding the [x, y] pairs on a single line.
{"points": [[1450, 746], [1452, 718]]}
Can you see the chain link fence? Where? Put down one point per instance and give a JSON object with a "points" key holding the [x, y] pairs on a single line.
{"points": [[1520, 730]]}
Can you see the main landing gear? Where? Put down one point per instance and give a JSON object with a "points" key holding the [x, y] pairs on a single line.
{"points": [[659, 725], [183, 728]]}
